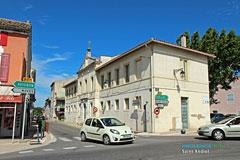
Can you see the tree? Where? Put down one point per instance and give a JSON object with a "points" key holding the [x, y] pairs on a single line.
{"points": [[224, 68], [38, 111]]}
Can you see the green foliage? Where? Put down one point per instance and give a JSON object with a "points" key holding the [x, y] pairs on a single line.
{"points": [[226, 65], [38, 111]]}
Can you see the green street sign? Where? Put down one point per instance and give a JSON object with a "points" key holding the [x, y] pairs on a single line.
{"points": [[23, 84], [158, 96]]}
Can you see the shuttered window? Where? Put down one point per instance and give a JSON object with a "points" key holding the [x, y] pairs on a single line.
{"points": [[3, 38], [4, 68]]}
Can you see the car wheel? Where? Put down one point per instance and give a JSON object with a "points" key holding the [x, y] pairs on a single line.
{"points": [[106, 140], [83, 137], [218, 135]]}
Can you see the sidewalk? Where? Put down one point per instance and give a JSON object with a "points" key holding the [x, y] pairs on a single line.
{"points": [[189, 132], [30, 141]]}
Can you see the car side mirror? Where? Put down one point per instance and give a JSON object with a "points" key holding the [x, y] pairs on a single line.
{"points": [[229, 124], [99, 126], [124, 124]]}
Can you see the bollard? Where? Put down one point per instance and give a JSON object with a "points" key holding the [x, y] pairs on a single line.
{"points": [[38, 135]]}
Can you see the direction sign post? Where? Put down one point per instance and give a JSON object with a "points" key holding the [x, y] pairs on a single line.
{"points": [[23, 84], [159, 96], [23, 90]]}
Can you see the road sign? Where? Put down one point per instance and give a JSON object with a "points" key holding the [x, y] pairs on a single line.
{"points": [[27, 79], [22, 84], [157, 111], [136, 102], [158, 96], [23, 90], [162, 101], [95, 109]]}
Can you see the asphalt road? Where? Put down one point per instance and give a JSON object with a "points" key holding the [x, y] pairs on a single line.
{"points": [[69, 147]]}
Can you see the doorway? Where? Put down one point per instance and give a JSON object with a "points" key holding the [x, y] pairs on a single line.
{"points": [[85, 111], [184, 110]]}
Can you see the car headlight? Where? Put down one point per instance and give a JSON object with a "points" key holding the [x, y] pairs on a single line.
{"points": [[206, 128], [114, 131]]}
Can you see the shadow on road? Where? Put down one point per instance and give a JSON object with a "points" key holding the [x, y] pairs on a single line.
{"points": [[112, 144]]}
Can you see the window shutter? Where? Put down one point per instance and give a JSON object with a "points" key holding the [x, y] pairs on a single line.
{"points": [[3, 40], [4, 68]]}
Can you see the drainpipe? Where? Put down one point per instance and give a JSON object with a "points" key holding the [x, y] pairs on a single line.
{"points": [[152, 91]]}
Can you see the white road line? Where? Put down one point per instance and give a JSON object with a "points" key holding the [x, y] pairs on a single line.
{"points": [[90, 146], [70, 148], [77, 138], [29, 151], [47, 150], [65, 139]]}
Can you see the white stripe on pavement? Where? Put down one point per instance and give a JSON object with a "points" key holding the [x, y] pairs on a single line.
{"points": [[70, 148], [47, 150], [29, 151], [65, 139], [89, 146], [77, 138]]}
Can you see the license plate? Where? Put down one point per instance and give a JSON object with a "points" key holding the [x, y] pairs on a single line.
{"points": [[126, 136]]}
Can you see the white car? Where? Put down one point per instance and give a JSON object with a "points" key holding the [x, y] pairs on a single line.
{"points": [[108, 130]]}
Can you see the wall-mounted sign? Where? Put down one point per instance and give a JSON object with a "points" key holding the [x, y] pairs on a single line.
{"points": [[27, 79], [162, 101], [11, 99], [158, 96], [136, 102], [205, 99]]}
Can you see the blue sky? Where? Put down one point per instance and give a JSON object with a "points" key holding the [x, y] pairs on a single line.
{"points": [[62, 28]]}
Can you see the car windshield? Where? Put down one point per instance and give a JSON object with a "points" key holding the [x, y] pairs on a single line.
{"points": [[111, 122], [225, 120]]}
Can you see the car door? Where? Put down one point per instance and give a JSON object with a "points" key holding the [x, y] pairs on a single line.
{"points": [[233, 129], [96, 130], [87, 126]]}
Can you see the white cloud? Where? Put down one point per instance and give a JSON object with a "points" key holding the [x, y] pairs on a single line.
{"points": [[28, 7], [43, 79], [51, 47]]}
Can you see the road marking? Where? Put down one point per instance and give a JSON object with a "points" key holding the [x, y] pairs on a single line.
{"points": [[90, 146], [70, 148], [26, 151], [47, 150], [77, 138], [65, 139]]}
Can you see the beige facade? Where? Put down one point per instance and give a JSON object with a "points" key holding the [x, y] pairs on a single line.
{"points": [[125, 86], [58, 97]]}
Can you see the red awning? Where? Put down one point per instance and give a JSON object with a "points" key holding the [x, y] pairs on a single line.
{"points": [[10, 99]]}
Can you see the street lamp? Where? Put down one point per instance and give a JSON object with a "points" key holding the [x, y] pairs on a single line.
{"points": [[182, 73]]}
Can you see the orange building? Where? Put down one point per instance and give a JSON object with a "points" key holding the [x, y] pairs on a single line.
{"points": [[15, 64]]}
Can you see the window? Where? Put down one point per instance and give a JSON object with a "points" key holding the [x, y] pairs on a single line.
{"points": [[230, 97], [185, 68], [102, 81], [102, 106], [117, 104], [126, 107], [85, 86], [117, 76], [140, 102], [80, 87], [109, 105], [109, 79], [92, 84], [127, 73], [75, 89], [88, 121], [138, 69], [4, 67]]}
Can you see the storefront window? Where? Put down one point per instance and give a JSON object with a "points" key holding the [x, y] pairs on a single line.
{"points": [[9, 118]]}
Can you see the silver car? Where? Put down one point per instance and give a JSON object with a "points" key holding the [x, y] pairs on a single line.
{"points": [[228, 127]]}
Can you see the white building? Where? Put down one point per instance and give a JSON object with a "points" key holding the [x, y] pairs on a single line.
{"points": [[132, 85]]}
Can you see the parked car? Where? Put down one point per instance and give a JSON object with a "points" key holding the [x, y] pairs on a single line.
{"points": [[228, 127], [216, 117], [229, 115], [108, 130]]}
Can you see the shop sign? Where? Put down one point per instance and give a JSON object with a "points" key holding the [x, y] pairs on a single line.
{"points": [[11, 99]]}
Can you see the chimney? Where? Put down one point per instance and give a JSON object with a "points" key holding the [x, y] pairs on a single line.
{"points": [[183, 41]]}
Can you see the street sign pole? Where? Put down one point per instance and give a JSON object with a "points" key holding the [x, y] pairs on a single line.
{"points": [[24, 116]]}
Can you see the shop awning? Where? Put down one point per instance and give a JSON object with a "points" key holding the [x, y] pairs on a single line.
{"points": [[8, 96]]}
